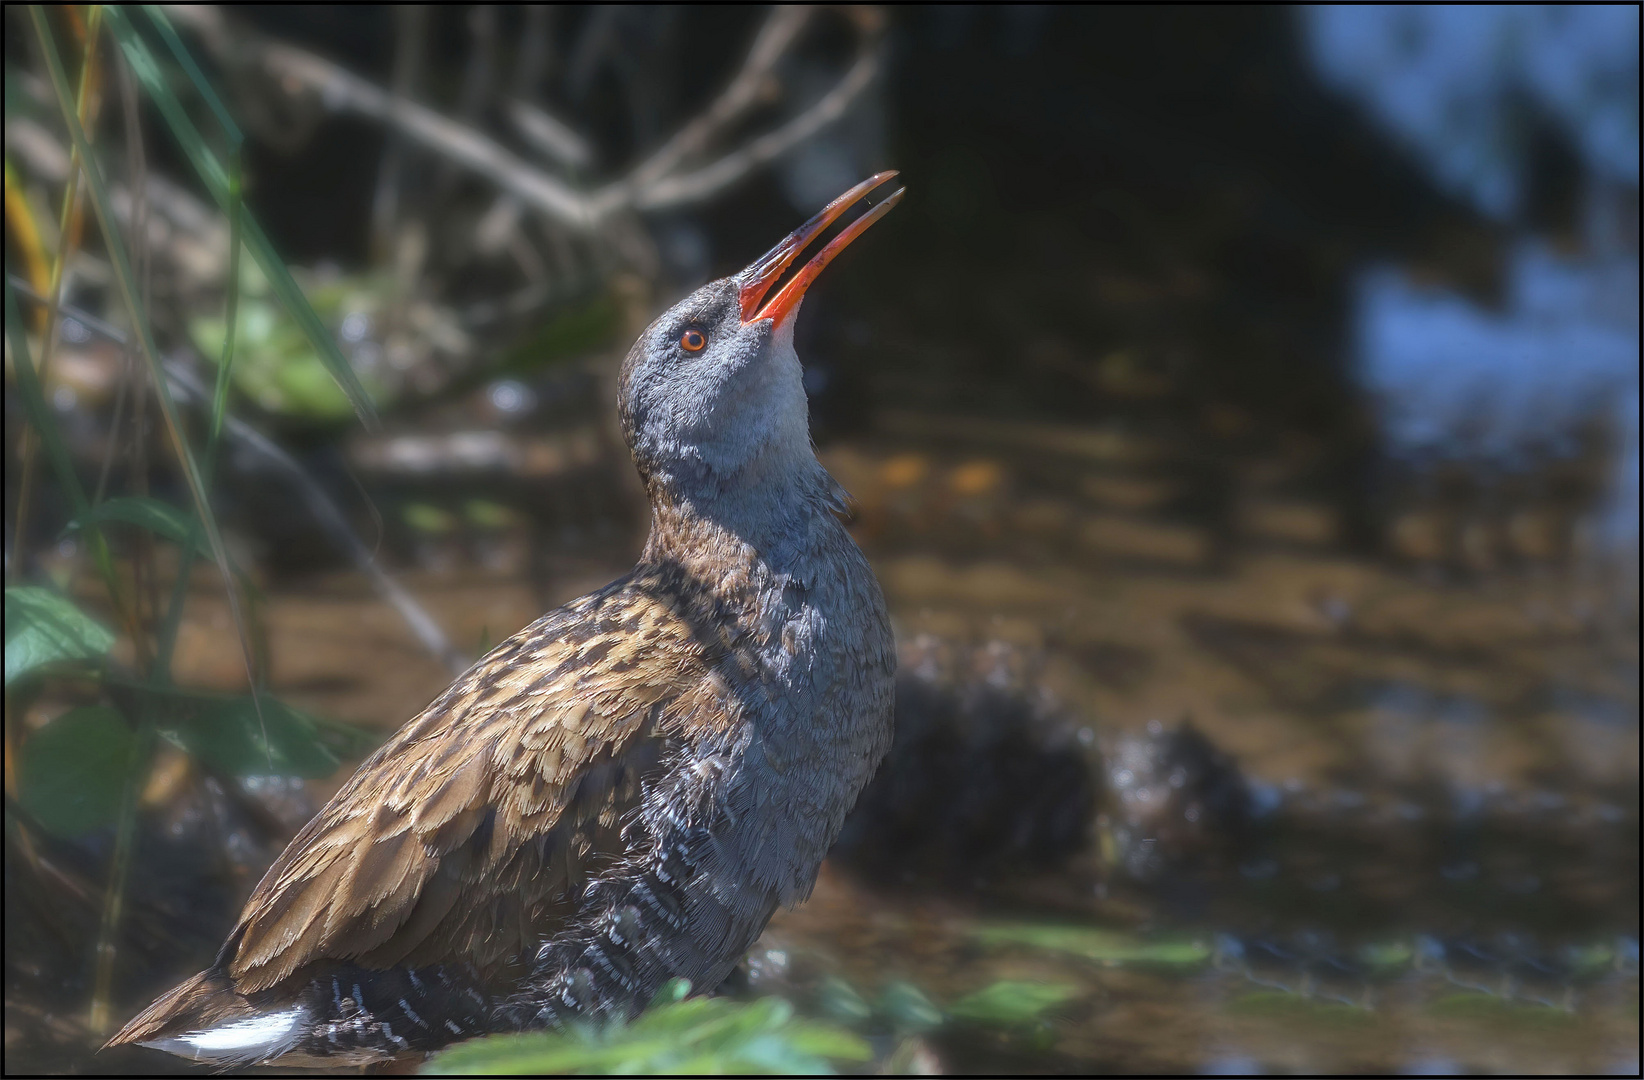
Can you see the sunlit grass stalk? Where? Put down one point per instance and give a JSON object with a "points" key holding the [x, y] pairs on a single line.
{"points": [[68, 233], [125, 832], [34, 406], [20, 224], [39, 414], [142, 328], [219, 409], [49, 282]]}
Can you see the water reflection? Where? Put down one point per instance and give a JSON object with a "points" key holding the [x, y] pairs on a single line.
{"points": [[1514, 388], [1461, 84], [1512, 392]]}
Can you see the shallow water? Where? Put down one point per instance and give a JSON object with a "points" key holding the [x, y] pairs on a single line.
{"points": [[1406, 838]]}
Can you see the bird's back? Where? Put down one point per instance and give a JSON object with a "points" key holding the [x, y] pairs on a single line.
{"points": [[619, 794], [623, 791]]}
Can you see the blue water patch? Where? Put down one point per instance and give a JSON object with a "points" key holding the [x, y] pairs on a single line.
{"points": [[1461, 85], [1463, 88]]}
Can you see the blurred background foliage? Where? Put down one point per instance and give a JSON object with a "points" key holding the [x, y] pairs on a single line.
{"points": [[1242, 413]]}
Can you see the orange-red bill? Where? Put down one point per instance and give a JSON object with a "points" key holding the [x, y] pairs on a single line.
{"points": [[758, 278]]}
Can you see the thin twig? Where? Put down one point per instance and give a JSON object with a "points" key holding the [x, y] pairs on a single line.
{"points": [[340, 90], [68, 232], [535, 51], [326, 512], [597, 31], [774, 39], [172, 209], [647, 186], [706, 182], [409, 24], [331, 519], [550, 135]]}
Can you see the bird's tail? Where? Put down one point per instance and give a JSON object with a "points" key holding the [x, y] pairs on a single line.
{"points": [[205, 1018]]}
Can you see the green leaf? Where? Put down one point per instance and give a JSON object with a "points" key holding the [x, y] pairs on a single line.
{"points": [[428, 518], [73, 771], [906, 1006], [1010, 1003], [1296, 1008], [43, 628], [1103, 946], [1387, 957], [839, 999], [1590, 960], [157, 517], [277, 366], [675, 1037], [1498, 1011], [227, 734], [674, 990], [827, 1041], [489, 515]]}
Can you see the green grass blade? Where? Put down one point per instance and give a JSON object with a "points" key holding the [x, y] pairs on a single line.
{"points": [[157, 15], [1012, 1002], [157, 517], [219, 181], [219, 398], [236, 210], [34, 404], [173, 621], [147, 69], [1107, 947], [302, 312], [141, 326]]}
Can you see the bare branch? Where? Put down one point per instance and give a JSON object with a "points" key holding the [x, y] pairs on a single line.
{"points": [[192, 234], [410, 23], [553, 137], [182, 380], [340, 90], [477, 82], [535, 50], [705, 182], [774, 39], [651, 185]]}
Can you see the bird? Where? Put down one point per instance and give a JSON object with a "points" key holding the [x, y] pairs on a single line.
{"points": [[622, 793]]}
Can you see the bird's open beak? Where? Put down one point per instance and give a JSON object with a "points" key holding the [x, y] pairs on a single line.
{"points": [[757, 279]]}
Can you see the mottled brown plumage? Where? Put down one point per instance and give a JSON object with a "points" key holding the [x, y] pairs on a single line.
{"points": [[623, 791], [550, 735]]}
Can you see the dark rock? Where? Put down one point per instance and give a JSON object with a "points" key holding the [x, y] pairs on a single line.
{"points": [[988, 772]]}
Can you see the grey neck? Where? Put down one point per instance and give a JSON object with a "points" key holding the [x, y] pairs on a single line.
{"points": [[773, 508]]}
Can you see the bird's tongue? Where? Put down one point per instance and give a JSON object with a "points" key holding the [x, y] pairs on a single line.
{"points": [[758, 278]]}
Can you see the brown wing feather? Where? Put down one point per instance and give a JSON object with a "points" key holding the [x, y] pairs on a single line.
{"points": [[475, 823]]}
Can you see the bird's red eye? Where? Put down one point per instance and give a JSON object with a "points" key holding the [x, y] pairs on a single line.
{"points": [[692, 341]]}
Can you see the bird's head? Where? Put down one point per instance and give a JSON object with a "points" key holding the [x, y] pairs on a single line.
{"points": [[711, 395]]}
